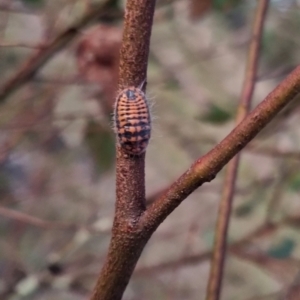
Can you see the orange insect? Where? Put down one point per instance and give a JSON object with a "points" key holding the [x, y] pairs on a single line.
{"points": [[132, 120]]}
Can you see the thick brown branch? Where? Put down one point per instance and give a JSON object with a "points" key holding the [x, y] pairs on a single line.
{"points": [[217, 266], [37, 60], [128, 240]]}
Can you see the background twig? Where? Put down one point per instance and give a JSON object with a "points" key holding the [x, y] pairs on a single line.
{"points": [[37, 60], [217, 266]]}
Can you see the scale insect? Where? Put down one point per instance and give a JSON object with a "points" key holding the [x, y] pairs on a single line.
{"points": [[132, 120]]}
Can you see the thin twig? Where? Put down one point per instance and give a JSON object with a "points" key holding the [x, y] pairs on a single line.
{"points": [[293, 290], [263, 230], [41, 57], [17, 10], [217, 266], [260, 232], [273, 152], [22, 45], [45, 224], [34, 221], [277, 194]]}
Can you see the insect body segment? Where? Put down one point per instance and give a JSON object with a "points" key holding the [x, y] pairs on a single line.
{"points": [[132, 120]]}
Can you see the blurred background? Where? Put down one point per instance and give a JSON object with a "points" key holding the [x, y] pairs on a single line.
{"points": [[57, 164]]}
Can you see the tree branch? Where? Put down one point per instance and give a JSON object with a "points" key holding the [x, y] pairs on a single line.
{"points": [[218, 259], [41, 57], [206, 168], [128, 240]]}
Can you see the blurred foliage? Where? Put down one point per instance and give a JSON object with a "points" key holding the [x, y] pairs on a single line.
{"points": [[33, 2], [283, 249], [216, 115], [225, 5], [101, 143], [256, 199], [294, 183], [4, 182], [244, 210], [274, 56]]}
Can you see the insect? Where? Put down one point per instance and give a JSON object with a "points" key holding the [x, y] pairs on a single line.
{"points": [[132, 120]]}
